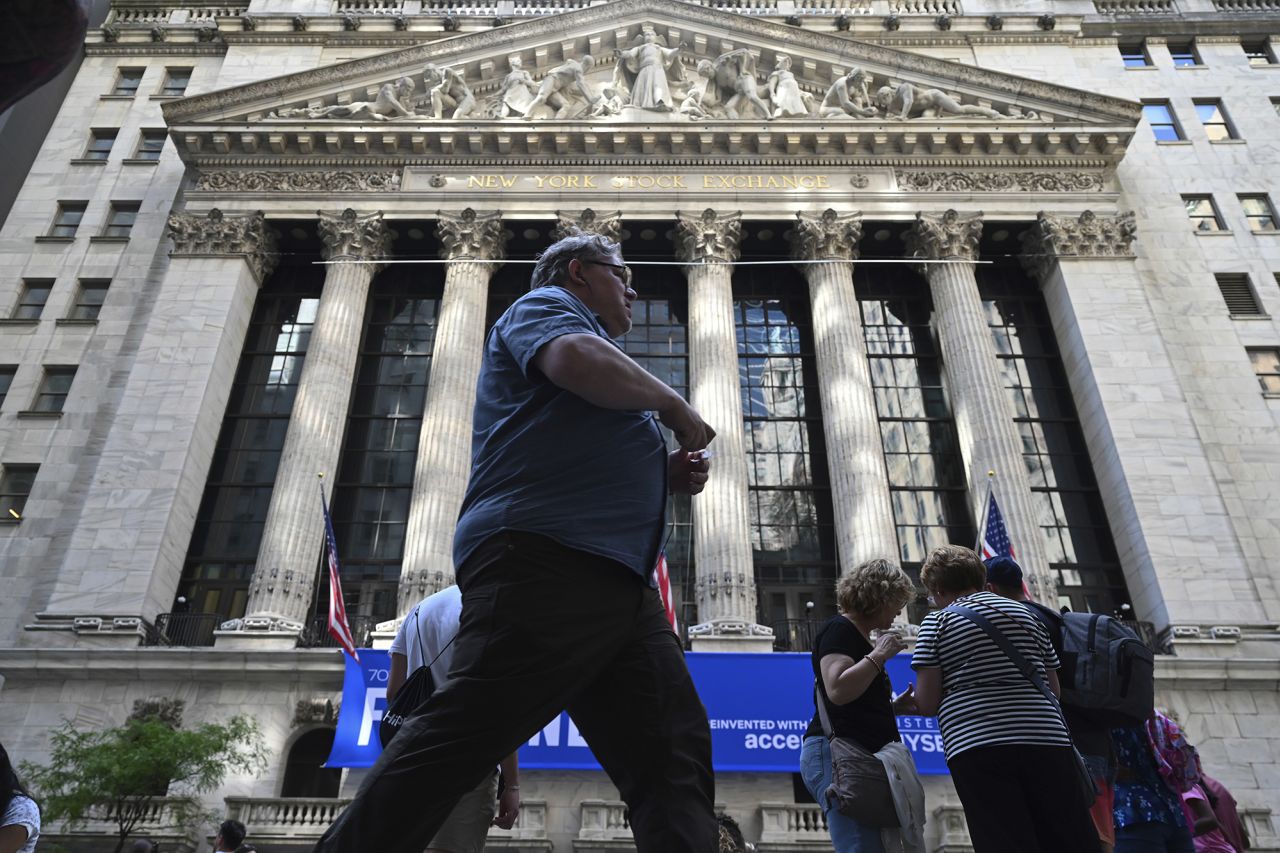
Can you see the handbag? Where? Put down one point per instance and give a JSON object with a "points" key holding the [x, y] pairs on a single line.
{"points": [[1084, 779], [413, 694], [859, 782]]}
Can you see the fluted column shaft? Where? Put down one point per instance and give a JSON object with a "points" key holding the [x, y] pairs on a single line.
{"points": [[855, 457], [444, 445], [989, 439], [293, 534]]}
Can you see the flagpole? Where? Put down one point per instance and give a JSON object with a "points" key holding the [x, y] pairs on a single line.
{"points": [[324, 555], [986, 510]]}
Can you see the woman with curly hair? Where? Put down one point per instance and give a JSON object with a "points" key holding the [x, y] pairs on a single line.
{"points": [[19, 814], [855, 690]]}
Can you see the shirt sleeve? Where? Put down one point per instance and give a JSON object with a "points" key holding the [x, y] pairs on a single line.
{"points": [[23, 812], [1045, 645], [398, 645], [540, 318], [926, 652], [839, 639]]}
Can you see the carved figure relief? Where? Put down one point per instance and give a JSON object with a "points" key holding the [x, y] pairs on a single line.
{"points": [[389, 104], [901, 100], [734, 86], [848, 97], [517, 92], [565, 90], [447, 88], [785, 93], [644, 69]]}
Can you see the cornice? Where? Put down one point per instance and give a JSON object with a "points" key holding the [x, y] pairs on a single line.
{"points": [[311, 666], [1197, 24], [552, 28], [456, 164], [155, 49]]}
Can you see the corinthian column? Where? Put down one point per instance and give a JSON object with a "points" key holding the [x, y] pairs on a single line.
{"points": [[855, 457], [468, 242], [590, 222], [293, 534], [725, 575], [984, 417]]}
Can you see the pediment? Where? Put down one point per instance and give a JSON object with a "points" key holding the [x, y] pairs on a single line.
{"points": [[650, 77]]}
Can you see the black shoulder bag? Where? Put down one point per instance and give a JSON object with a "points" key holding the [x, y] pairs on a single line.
{"points": [[414, 693], [1084, 779]]}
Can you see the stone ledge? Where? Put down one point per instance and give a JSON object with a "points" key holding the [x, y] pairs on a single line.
{"points": [[322, 666]]}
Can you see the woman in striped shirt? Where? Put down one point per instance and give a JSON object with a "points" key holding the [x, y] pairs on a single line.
{"points": [[1006, 744]]}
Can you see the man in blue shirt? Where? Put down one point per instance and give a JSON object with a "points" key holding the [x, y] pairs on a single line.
{"points": [[560, 529]]}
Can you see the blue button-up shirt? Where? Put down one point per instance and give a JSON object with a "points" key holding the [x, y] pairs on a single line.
{"points": [[545, 461]]}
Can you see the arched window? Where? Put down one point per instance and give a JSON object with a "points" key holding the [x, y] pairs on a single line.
{"points": [[304, 773]]}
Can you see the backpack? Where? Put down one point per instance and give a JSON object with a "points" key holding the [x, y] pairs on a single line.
{"points": [[1108, 674]]}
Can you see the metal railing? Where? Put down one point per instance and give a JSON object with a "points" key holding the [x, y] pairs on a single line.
{"points": [[1150, 637], [316, 633], [795, 635], [789, 823], [185, 629]]}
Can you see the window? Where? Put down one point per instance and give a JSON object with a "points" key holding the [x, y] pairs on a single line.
{"points": [[1214, 118], [15, 488], [1258, 210], [1238, 293], [89, 298], [1160, 116], [55, 385], [1202, 212], [1275, 105], [1184, 54], [1134, 55], [121, 218], [150, 144], [7, 372], [1258, 51], [1266, 364], [35, 293], [175, 82], [67, 220], [127, 81], [100, 142]]}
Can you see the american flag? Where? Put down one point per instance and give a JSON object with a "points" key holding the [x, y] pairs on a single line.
{"points": [[994, 541], [338, 627], [663, 578]]}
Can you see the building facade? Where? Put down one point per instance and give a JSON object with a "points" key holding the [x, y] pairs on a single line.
{"points": [[886, 247]]}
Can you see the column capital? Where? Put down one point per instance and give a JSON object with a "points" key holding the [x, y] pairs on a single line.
{"points": [[949, 236], [1086, 236], [828, 236], [607, 225], [218, 234], [357, 236], [708, 236], [467, 235]]}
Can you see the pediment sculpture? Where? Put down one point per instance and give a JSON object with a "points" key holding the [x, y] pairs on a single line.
{"points": [[651, 76]]}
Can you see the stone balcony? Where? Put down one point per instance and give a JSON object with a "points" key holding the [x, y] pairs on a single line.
{"points": [[793, 828], [157, 820]]}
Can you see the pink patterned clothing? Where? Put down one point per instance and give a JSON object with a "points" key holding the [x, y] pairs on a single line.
{"points": [[1210, 842]]}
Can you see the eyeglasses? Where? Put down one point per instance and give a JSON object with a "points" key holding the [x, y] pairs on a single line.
{"points": [[623, 272]]}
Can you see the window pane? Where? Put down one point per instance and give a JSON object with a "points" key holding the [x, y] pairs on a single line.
{"points": [[127, 81]]}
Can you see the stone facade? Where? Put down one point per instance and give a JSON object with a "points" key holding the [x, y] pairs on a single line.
{"points": [[321, 126]]}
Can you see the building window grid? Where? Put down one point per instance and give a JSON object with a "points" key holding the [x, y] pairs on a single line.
{"points": [[1258, 211], [90, 295], [1066, 496], [1184, 54], [375, 479], [150, 145], [67, 220], [121, 218], [1134, 55], [1213, 117], [1266, 365], [32, 299], [55, 385], [176, 81], [1237, 293], [16, 483], [1259, 51], [7, 372], [228, 530], [1164, 125], [1203, 213], [100, 144], [127, 81]]}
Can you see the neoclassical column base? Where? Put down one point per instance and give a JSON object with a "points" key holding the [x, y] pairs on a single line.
{"points": [[257, 632], [730, 635], [97, 632], [384, 632]]}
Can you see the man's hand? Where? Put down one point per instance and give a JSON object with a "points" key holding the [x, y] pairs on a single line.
{"points": [[690, 429], [508, 808], [687, 472], [905, 704]]}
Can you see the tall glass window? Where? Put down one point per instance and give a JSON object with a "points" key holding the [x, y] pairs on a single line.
{"points": [[792, 520], [1073, 522], [228, 529], [375, 479], [917, 430]]}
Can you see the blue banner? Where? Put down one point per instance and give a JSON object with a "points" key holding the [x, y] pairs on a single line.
{"points": [[759, 706]]}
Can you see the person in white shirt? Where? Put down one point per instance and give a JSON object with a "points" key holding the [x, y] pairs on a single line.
{"points": [[19, 814], [426, 639]]}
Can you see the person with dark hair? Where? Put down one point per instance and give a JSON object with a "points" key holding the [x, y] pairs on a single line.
{"points": [[230, 836], [560, 529], [19, 814], [1005, 742], [246, 848], [143, 845]]}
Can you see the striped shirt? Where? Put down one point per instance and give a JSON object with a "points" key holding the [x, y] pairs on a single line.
{"points": [[986, 701]]}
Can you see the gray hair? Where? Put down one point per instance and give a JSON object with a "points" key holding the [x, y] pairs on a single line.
{"points": [[553, 264]]}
